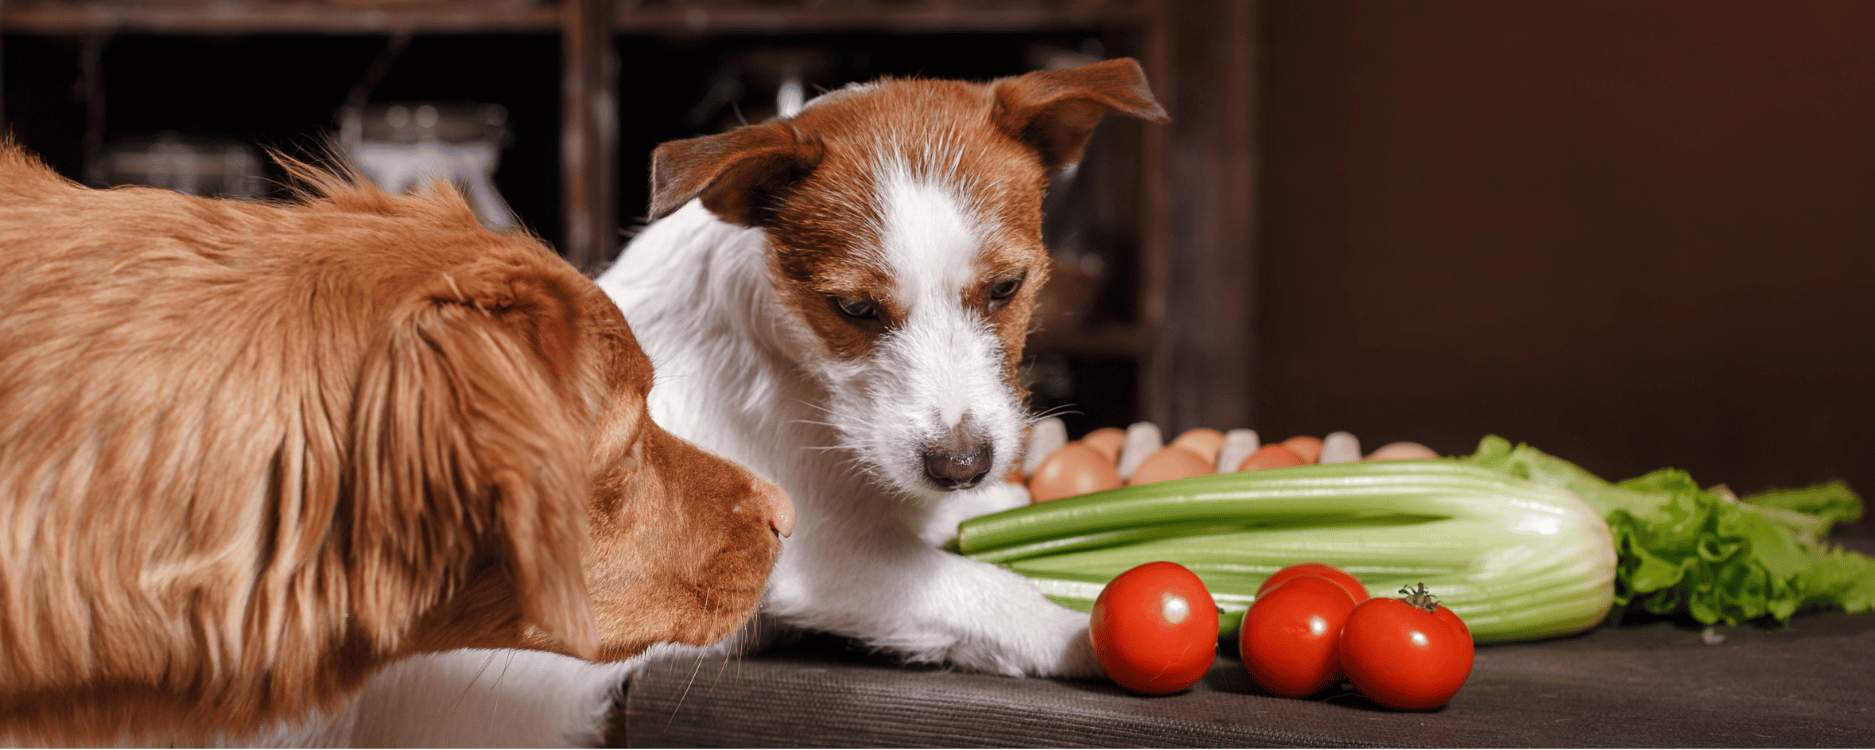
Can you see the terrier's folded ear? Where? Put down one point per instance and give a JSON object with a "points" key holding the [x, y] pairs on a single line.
{"points": [[736, 173], [1055, 111]]}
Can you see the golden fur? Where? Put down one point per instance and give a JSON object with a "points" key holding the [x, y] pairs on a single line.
{"points": [[249, 453]]}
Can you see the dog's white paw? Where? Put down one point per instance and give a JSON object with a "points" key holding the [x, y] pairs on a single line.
{"points": [[1056, 647], [940, 525], [1077, 659]]}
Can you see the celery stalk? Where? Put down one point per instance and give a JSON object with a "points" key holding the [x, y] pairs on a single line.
{"points": [[1515, 560]]}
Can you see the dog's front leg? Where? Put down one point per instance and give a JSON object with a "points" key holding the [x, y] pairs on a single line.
{"points": [[890, 589]]}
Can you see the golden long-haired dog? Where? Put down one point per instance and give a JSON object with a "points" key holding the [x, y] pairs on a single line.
{"points": [[249, 453]]}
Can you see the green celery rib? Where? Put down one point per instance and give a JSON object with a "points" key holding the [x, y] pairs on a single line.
{"points": [[1103, 539], [1294, 495], [1515, 560]]}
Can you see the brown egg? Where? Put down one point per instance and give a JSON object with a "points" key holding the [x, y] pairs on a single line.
{"points": [[1401, 450], [1273, 456], [1106, 440], [1075, 469], [1308, 447], [1170, 462], [1203, 441], [1045, 436]]}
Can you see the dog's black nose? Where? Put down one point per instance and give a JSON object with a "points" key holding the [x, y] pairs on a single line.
{"points": [[958, 467]]}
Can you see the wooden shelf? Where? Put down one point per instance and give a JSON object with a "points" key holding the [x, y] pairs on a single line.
{"points": [[245, 17], [932, 16]]}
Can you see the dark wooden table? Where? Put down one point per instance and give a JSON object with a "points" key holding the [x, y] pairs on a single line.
{"points": [[1658, 684]]}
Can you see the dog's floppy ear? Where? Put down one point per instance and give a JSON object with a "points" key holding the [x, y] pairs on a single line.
{"points": [[470, 445], [1055, 111], [735, 173]]}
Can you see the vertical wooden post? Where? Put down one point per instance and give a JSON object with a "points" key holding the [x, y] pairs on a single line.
{"points": [[1156, 241], [1212, 304], [588, 133], [3, 70]]}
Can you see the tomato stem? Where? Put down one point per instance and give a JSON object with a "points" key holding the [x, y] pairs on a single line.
{"points": [[1421, 598]]}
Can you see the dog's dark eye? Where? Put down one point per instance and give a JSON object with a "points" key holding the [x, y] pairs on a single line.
{"points": [[857, 309], [1002, 292]]}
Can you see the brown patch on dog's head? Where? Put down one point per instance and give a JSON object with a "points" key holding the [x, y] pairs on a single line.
{"points": [[813, 182]]}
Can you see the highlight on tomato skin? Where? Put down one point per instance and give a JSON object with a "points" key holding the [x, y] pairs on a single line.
{"points": [[1290, 640], [1411, 654], [1154, 628]]}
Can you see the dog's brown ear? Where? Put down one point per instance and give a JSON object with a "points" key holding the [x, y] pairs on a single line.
{"points": [[735, 173], [470, 446], [1055, 111]]}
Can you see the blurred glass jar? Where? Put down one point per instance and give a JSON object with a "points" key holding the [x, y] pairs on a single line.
{"points": [[195, 165], [402, 146]]}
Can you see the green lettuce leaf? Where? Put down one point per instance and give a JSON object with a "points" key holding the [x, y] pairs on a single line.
{"points": [[1705, 553]]}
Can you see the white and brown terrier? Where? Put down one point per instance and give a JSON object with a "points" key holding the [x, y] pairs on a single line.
{"points": [[839, 300], [252, 453]]}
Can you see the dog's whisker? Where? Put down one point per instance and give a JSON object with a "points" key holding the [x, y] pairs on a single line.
{"points": [[696, 664], [840, 421], [831, 412], [734, 642], [479, 673], [494, 708], [1055, 411]]}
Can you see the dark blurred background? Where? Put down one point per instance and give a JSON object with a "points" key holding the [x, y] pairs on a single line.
{"points": [[1634, 235]]}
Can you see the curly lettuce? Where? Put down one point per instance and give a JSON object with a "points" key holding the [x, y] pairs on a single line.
{"points": [[1705, 553]]}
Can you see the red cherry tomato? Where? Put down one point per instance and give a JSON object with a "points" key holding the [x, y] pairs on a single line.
{"points": [[1154, 628], [1411, 653], [1290, 639], [1323, 570]]}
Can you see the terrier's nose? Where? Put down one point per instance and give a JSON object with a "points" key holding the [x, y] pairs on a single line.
{"points": [[955, 471], [960, 460]]}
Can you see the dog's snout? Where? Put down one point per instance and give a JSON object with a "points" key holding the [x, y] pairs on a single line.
{"points": [[780, 508], [961, 459]]}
